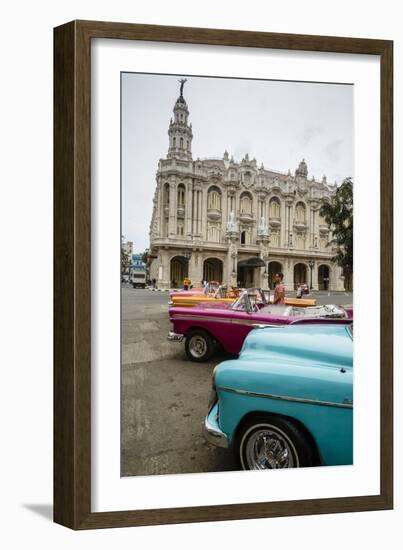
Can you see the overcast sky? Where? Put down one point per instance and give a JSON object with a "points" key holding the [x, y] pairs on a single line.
{"points": [[277, 122]]}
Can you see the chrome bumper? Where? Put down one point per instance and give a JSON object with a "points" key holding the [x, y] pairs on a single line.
{"points": [[211, 430], [173, 337]]}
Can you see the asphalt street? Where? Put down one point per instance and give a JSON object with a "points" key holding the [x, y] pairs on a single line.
{"points": [[165, 396]]}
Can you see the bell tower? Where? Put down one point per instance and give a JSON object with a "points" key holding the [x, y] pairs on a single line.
{"points": [[180, 132]]}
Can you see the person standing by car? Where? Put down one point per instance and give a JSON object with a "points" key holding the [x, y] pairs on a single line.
{"points": [[279, 290]]}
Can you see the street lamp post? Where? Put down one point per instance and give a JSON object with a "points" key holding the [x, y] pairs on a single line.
{"points": [[311, 264]]}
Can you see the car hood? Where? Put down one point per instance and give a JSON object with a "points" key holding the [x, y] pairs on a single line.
{"points": [[324, 344], [309, 362]]}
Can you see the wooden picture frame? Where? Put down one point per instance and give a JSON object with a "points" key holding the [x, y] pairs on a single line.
{"points": [[72, 272]]}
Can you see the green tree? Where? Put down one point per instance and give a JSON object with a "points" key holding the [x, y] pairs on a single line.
{"points": [[124, 260], [338, 213], [144, 257]]}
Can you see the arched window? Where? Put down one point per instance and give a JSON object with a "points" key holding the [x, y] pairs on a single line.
{"points": [[300, 212], [181, 143], [274, 209], [181, 195], [214, 198], [174, 142], [246, 204]]}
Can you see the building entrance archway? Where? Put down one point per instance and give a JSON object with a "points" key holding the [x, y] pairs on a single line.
{"points": [[300, 275], [212, 270], [323, 277], [179, 269]]}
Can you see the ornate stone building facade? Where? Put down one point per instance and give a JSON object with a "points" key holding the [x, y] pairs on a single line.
{"points": [[236, 222]]}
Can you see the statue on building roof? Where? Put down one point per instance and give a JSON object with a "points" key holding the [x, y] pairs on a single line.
{"points": [[182, 83]]}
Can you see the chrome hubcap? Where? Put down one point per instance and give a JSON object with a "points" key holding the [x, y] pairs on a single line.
{"points": [[268, 449], [197, 346]]}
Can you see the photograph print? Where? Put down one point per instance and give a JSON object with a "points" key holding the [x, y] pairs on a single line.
{"points": [[236, 274]]}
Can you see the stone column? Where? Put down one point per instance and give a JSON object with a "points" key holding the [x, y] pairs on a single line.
{"points": [[189, 209], [292, 216], [283, 227], [203, 213], [161, 192], [316, 228], [194, 211], [193, 268], [172, 210], [163, 270], [315, 282], [224, 215], [336, 278], [310, 233], [199, 205], [288, 274]]}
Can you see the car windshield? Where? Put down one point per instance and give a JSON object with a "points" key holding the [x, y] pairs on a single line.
{"points": [[250, 300], [211, 287]]}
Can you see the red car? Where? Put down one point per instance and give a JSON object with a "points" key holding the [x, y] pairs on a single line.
{"points": [[207, 328]]}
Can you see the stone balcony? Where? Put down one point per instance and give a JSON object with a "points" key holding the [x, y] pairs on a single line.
{"points": [[274, 222], [246, 217], [214, 214], [300, 225], [324, 229]]}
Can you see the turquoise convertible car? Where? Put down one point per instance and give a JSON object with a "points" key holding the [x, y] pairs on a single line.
{"points": [[287, 401]]}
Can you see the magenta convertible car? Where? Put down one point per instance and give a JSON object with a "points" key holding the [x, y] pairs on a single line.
{"points": [[207, 328]]}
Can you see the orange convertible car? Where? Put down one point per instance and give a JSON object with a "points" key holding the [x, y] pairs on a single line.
{"points": [[221, 295], [211, 294]]}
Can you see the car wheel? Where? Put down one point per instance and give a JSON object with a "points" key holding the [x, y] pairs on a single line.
{"points": [[267, 442], [199, 346]]}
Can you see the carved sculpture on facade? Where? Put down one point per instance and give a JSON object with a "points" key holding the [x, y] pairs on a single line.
{"points": [[262, 230], [232, 226]]}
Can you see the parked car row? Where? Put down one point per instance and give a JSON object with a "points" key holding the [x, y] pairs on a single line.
{"points": [[286, 398]]}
